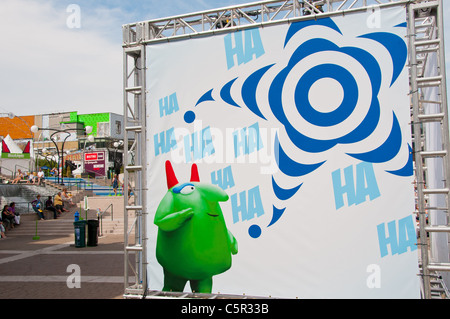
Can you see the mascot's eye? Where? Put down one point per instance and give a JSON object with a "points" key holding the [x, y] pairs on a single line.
{"points": [[184, 189], [187, 189]]}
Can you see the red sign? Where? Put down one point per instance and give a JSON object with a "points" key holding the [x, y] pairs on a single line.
{"points": [[90, 156]]}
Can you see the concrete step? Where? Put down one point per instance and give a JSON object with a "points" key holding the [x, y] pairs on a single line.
{"points": [[62, 227], [115, 226], [50, 227]]}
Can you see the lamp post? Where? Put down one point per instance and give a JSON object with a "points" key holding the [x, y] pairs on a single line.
{"points": [[55, 131], [89, 139], [116, 161]]}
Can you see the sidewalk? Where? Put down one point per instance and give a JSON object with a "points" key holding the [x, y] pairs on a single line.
{"points": [[41, 269]]}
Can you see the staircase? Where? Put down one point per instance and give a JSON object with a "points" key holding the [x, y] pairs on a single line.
{"points": [[111, 221]]}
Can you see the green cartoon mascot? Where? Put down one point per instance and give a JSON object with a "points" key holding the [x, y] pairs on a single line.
{"points": [[193, 242]]}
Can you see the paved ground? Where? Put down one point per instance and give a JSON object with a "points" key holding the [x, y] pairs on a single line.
{"points": [[53, 268]]}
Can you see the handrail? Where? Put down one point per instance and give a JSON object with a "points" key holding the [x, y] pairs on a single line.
{"points": [[112, 211], [100, 216], [15, 168], [4, 168], [69, 184], [20, 204]]}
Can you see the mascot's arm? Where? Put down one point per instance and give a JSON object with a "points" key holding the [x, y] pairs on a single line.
{"points": [[233, 243], [168, 220], [173, 221]]}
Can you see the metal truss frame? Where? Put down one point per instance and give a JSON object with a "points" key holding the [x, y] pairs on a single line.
{"points": [[430, 119], [256, 14], [135, 168], [136, 36]]}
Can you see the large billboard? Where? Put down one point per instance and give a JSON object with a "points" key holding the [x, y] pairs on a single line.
{"points": [[303, 177], [95, 162]]}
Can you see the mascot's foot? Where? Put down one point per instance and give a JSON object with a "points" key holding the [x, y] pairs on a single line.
{"points": [[173, 283], [202, 286], [176, 284]]}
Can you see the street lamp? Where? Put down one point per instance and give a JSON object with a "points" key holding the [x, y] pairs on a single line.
{"points": [[36, 129], [116, 161]]}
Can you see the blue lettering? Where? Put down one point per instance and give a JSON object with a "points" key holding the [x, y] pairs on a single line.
{"points": [[339, 189], [245, 47], [253, 45], [247, 141], [249, 210], [399, 242], [165, 141], [223, 178], [198, 145], [366, 185], [255, 206], [168, 105], [240, 142], [236, 208]]}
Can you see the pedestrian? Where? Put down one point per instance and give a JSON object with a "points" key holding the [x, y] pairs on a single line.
{"points": [[115, 184]]}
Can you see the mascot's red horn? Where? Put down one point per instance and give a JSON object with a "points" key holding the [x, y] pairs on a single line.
{"points": [[170, 174], [194, 173]]}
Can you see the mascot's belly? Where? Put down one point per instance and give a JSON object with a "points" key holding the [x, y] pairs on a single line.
{"points": [[195, 250]]}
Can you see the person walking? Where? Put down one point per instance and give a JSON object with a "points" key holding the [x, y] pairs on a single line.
{"points": [[115, 184]]}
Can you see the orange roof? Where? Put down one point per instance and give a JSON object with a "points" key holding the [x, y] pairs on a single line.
{"points": [[16, 128]]}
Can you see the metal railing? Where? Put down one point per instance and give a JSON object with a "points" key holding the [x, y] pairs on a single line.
{"points": [[100, 217], [21, 205], [3, 174]]}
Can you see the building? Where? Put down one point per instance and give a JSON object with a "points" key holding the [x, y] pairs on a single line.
{"points": [[64, 132]]}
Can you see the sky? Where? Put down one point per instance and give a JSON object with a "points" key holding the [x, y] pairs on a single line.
{"points": [[50, 62]]}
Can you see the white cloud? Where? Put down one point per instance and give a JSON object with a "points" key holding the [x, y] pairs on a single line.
{"points": [[49, 67]]}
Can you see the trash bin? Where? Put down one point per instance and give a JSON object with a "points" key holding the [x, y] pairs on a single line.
{"points": [[92, 239], [80, 233]]}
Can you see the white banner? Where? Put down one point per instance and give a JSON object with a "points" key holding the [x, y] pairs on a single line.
{"points": [[300, 133]]}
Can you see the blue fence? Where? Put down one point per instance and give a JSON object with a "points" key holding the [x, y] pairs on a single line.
{"points": [[80, 184]]}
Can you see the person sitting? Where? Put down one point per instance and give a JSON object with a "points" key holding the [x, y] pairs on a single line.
{"points": [[38, 207], [12, 209], [18, 177], [2, 229], [40, 176], [66, 197], [30, 178], [59, 205], [8, 217], [54, 171], [49, 206]]}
